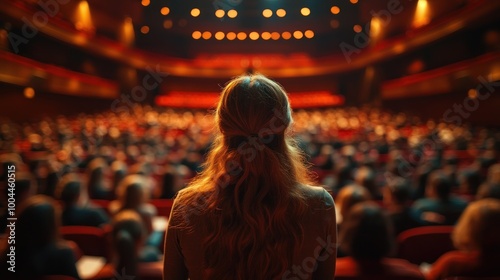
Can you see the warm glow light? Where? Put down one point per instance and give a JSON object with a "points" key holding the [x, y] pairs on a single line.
{"points": [[275, 35], [242, 36], [167, 24], [219, 35], [472, 93], [127, 34], [145, 29], [220, 13], [305, 11], [335, 10], [334, 23], [196, 35], [254, 35], [231, 36], [195, 12], [207, 35], [357, 28], [309, 34], [375, 28], [165, 11], [298, 34], [266, 35], [422, 14], [267, 13], [281, 12], [232, 13], [29, 92], [354, 1], [286, 35], [83, 19], [145, 3]]}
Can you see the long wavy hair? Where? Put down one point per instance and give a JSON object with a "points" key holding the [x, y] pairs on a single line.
{"points": [[250, 187]]}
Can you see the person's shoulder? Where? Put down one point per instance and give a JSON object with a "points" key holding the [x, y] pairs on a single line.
{"points": [[318, 197]]}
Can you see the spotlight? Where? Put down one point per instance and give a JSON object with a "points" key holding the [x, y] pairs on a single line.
{"points": [[357, 28], [266, 35], [165, 11], [267, 13], [232, 13], [254, 35], [242, 36], [145, 29], [207, 35], [231, 36], [196, 35], [335, 10], [298, 34], [219, 35], [286, 35], [220, 13], [309, 34], [281, 12], [275, 35]]}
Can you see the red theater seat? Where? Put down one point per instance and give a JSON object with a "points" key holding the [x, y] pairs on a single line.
{"points": [[424, 244], [92, 241], [163, 206]]}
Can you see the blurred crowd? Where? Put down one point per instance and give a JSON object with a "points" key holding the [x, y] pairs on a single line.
{"points": [[411, 171]]}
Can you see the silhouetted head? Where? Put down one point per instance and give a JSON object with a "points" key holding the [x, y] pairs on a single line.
{"points": [[68, 189], [348, 197], [366, 233], [397, 192], [438, 185], [128, 236], [131, 191], [479, 227]]}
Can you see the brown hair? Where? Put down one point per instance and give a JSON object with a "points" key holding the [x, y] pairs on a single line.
{"points": [[479, 227], [250, 185]]}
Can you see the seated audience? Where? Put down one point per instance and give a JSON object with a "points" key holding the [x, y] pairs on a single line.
{"points": [[38, 250], [348, 197], [133, 196], [366, 236], [98, 187], [488, 190], [477, 237], [68, 191], [397, 200], [439, 207]]}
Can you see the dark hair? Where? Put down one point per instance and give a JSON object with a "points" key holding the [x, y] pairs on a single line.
{"points": [[440, 184], [473, 180], [489, 190], [128, 231], [399, 189], [68, 189], [366, 233]]}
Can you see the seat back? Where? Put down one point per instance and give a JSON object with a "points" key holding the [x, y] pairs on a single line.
{"points": [[164, 206], [424, 244], [93, 241]]}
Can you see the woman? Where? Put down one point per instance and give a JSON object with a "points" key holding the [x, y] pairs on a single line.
{"points": [[366, 236], [38, 250], [476, 237], [251, 214]]}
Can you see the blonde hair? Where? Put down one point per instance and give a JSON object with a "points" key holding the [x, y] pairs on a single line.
{"points": [[250, 185], [479, 226]]}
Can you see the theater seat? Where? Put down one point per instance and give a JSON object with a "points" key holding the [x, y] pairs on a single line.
{"points": [[424, 244], [92, 241], [146, 271]]}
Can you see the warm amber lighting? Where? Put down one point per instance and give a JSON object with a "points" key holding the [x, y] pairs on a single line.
{"points": [[167, 24], [422, 14], [196, 35], [127, 34], [253, 35], [145, 3], [281, 12], [165, 11], [298, 34], [335, 10], [220, 13], [83, 19], [305, 11], [472, 93], [354, 1], [231, 36], [266, 35], [145, 29], [29, 92], [267, 13], [232, 13], [195, 12], [357, 28], [375, 28], [286, 35], [207, 35], [334, 23], [219, 35], [242, 36], [309, 34], [275, 35]]}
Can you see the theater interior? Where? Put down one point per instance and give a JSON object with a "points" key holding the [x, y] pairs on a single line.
{"points": [[101, 91]]}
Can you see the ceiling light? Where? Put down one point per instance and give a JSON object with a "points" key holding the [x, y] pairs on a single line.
{"points": [[267, 13], [305, 11], [195, 12]]}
